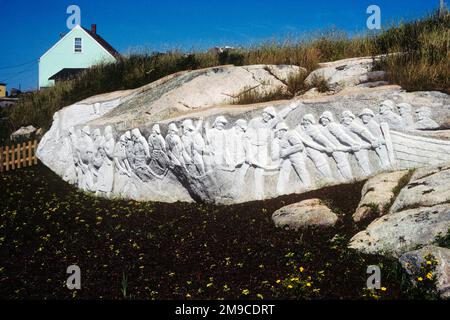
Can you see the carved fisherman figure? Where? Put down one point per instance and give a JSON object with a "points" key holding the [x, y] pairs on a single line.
{"points": [[335, 133], [140, 155], [424, 121], [105, 176], [359, 146], [86, 158], [388, 115], [122, 184], [194, 148], [174, 145], [317, 145], [158, 152], [287, 147], [405, 111], [217, 140], [367, 118], [260, 134]]}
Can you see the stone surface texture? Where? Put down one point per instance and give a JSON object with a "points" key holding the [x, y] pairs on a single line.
{"points": [[310, 213]]}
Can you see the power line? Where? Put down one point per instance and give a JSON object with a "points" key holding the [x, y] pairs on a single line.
{"points": [[18, 65], [30, 68]]}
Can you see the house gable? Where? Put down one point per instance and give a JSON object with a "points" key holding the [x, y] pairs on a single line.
{"points": [[62, 55]]}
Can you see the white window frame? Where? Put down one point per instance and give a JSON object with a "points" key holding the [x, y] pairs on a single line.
{"points": [[75, 45]]}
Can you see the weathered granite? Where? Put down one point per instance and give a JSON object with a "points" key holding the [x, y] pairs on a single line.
{"points": [[376, 193], [418, 215], [311, 213], [179, 139]]}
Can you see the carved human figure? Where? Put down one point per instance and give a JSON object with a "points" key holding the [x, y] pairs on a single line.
{"points": [[85, 161], [424, 121], [175, 147], [367, 117], [287, 147], [360, 147], [388, 115], [158, 151], [259, 135], [194, 148], [317, 145], [236, 148], [105, 176], [140, 155], [217, 140], [342, 143], [123, 169], [405, 111]]}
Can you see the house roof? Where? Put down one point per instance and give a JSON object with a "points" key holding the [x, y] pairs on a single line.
{"points": [[66, 73], [103, 43]]}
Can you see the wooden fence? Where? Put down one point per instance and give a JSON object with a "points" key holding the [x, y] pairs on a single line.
{"points": [[18, 156]]}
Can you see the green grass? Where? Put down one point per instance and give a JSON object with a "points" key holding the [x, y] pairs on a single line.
{"points": [[425, 66]]}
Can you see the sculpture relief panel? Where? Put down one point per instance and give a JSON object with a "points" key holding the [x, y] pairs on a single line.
{"points": [[241, 159]]}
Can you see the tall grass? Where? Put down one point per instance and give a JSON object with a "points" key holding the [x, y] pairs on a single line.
{"points": [[424, 66]]}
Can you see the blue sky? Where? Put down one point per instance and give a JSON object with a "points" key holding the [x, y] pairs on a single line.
{"points": [[29, 28]]}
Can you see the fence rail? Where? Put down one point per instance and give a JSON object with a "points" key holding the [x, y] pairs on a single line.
{"points": [[18, 156]]}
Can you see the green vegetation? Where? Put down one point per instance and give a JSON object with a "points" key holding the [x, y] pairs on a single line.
{"points": [[396, 190], [148, 250], [425, 65]]}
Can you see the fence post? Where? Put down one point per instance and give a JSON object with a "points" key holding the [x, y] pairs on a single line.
{"points": [[19, 158], [13, 157], [29, 154], [34, 152], [1, 159]]}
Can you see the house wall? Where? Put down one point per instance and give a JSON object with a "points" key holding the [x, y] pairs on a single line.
{"points": [[2, 91], [62, 56]]}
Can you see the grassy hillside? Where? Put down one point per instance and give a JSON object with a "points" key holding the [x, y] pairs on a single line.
{"points": [[424, 66]]}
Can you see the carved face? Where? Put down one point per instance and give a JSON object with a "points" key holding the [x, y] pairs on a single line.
{"points": [[266, 117], [219, 125], [324, 121], [346, 121], [281, 134], [366, 118]]}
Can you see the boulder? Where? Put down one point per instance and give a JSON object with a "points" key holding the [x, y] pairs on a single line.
{"points": [[376, 194], [418, 215], [180, 139], [346, 73], [310, 213], [399, 232], [412, 261], [24, 133]]}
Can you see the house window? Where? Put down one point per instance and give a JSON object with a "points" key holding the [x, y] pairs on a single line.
{"points": [[77, 45]]}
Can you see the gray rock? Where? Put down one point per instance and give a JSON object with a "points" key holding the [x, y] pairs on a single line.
{"points": [[24, 133], [376, 193], [399, 232], [310, 213], [346, 73], [412, 261], [428, 186]]}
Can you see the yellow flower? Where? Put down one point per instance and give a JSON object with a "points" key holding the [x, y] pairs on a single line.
{"points": [[383, 288], [428, 262], [245, 292], [278, 281], [429, 275], [301, 269], [259, 295], [290, 286], [419, 279], [308, 284]]}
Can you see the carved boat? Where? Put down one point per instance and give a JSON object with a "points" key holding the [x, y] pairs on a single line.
{"points": [[410, 151]]}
